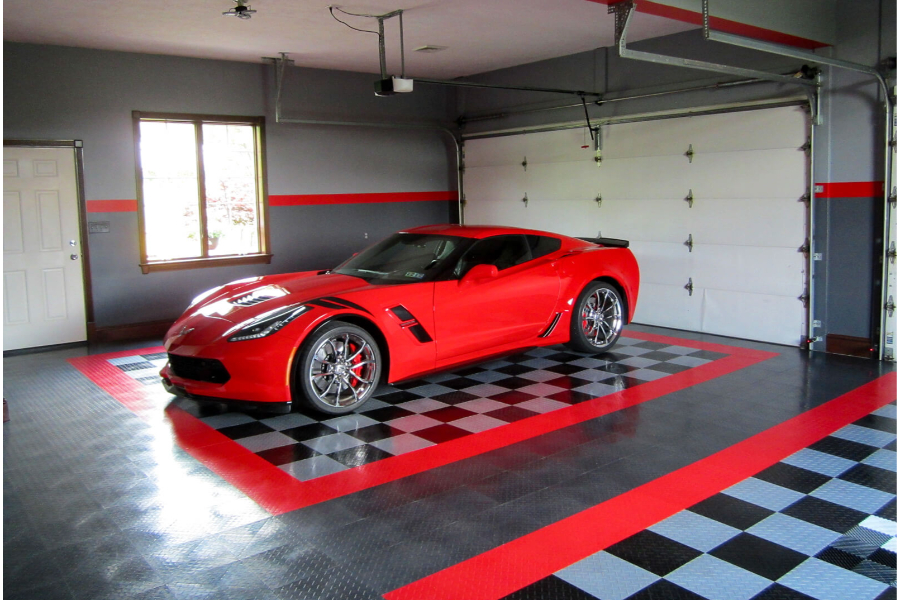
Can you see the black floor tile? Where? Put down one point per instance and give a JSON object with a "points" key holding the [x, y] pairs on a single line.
{"points": [[759, 556], [360, 455], [777, 591], [237, 432], [309, 432], [843, 448], [665, 590], [839, 558], [283, 455], [653, 552], [878, 422], [793, 478], [825, 514], [550, 588], [888, 511], [731, 511], [873, 477]]}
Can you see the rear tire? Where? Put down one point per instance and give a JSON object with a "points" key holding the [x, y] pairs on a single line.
{"points": [[597, 319], [338, 369]]}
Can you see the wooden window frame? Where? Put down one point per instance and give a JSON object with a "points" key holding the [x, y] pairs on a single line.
{"points": [[264, 256]]}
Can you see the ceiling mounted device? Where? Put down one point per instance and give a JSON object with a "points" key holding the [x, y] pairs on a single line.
{"points": [[388, 85], [241, 10]]}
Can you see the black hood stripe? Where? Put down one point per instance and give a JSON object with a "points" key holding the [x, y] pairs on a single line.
{"points": [[333, 302]]}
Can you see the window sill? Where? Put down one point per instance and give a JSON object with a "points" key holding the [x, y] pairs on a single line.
{"points": [[205, 263]]}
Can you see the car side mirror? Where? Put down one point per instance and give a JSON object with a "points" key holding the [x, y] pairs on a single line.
{"points": [[479, 274]]}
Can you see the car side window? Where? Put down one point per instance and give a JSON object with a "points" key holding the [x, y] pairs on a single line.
{"points": [[542, 245], [502, 251]]}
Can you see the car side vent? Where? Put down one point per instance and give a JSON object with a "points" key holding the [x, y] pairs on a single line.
{"points": [[411, 324], [250, 300]]}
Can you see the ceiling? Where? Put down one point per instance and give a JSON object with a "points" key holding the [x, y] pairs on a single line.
{"points": [[480, 35]]}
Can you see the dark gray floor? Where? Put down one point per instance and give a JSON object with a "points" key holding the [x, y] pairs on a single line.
{"points": [[101, 504]]}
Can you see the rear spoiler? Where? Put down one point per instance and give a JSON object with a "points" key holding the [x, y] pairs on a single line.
{"points": [[604, 241]]}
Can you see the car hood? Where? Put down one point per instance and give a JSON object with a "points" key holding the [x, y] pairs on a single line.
{"points": [[224, 309]]}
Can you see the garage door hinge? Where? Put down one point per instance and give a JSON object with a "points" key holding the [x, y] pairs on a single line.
{"points": [[893, 197], [690, 153], [690, 198], [525, 163], [525, 199], [690, 287], [804, 198], [690, 243], [892, 253], [462, 200], [805, 247], [598, 199], [804, 299], [807, 146], [890, 306]]}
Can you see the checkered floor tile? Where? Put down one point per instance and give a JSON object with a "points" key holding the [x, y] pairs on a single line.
{"points": [[821, 524], [416, 414]]}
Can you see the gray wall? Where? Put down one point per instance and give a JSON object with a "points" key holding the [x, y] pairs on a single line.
{"points": [[52, 92], [849, 145]]}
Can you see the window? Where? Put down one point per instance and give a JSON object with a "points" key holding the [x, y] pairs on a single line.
{"points": [[502, 251], [201, 195]]}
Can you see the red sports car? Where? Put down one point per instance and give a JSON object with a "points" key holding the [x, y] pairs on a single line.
{"points": [[423, 300]]}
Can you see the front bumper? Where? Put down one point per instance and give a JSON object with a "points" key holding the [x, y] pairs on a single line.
{"points": [[241, 405]]}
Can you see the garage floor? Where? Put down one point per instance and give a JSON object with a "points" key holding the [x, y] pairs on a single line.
{"points": [[678, 466]]}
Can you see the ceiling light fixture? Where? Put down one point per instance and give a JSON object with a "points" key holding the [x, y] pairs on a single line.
{"points": [[241, 11]]}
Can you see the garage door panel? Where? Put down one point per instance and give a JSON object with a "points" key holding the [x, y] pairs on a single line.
{"points": [[645, 220], [563, 181], [661, 263], [753, 174], [752, 130], [492, 193], [749, 269], [645, 177], [496, 151], [667, 306], [559, 146], [763, 317], [749, 221]]}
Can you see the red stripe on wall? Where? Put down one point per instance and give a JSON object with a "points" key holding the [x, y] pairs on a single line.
{"points": [[102, 206], [850, 189], [521, 562], [723, 25], [374, 198]]}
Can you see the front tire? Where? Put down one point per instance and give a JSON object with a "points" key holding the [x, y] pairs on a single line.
{"points": [[597, 319], [339, 368]]}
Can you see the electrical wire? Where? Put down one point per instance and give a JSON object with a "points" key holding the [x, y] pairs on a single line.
{"points": [[331, 9]]}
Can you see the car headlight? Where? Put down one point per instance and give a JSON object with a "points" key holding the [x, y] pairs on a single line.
{"points": [[268, 323]]}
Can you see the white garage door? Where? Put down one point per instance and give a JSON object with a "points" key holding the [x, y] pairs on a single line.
{"points": [[746, 176]]}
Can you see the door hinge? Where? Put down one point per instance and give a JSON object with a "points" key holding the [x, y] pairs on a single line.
{"points": [[892, 253], [690, 243], [525, 199], [525, 163], [598, 199], [805, 198], [690, 153], [804, 248], [690, 286], [893, 197], [690, 198], [889, 306], [804, 299], [807, 146]]}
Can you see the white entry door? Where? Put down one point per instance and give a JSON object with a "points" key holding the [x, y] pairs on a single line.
{"points": [[711, 201], [43, 285]]}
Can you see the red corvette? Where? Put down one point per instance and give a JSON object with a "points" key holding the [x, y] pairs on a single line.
{"points": [[423, 300]]}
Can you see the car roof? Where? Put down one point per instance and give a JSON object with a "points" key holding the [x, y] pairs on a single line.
{"points": [[477, 231]]}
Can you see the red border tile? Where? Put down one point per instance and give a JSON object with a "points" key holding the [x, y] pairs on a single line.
{"points": [[278, 492], [521, 562]]}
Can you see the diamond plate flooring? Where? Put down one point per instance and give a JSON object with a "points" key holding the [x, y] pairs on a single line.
{"points": [[100, 502], [820, 524]]}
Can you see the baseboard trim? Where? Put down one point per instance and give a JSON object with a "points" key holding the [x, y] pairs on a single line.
{"points": [[128, 332], [848, 345]]}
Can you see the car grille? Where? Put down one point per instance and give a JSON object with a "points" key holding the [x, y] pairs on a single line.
{"points": [[198, 369]]}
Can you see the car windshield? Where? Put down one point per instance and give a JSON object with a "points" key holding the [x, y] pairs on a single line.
{"points": [[405, 258]]}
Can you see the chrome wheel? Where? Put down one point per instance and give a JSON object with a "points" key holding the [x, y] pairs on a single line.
{"points": [[598, 319], [601, 317], [341, 369]]}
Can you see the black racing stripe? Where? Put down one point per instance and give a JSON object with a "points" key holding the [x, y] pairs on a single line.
{"points": [[346, 303], [324, 303]]}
